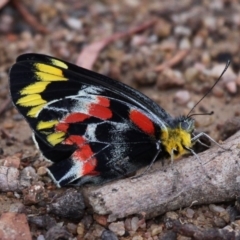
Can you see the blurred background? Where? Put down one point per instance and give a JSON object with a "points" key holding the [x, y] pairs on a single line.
{"points": [[172, 51]]}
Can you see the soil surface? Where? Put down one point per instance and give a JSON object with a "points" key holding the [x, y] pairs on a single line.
{"points": [[172, 51]]}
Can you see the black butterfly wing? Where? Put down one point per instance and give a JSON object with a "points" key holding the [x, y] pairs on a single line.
{"points": [[92, 127]]}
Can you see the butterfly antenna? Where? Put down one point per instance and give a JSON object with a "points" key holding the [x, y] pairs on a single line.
{"points": [[224, 70]]}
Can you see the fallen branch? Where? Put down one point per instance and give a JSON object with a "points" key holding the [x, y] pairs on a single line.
{"points": [[172, 187]]}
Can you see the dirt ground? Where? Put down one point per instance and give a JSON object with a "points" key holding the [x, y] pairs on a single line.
{"points": [[172, 51]]}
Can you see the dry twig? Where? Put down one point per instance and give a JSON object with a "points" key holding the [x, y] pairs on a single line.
{"points": [[172, 187]]}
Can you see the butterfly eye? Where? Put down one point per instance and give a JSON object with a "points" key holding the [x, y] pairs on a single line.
{"points": [[187, 124]]}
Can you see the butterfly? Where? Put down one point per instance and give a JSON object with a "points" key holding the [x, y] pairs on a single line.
{"points": [[92, 128]]}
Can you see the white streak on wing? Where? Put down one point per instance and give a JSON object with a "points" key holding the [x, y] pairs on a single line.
{"points": [[80, 107], [86, 90], [75, 171], [117, 134], [90, 134]]}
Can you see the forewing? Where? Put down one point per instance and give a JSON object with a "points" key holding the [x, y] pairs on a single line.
{"points": [[37, 79]]}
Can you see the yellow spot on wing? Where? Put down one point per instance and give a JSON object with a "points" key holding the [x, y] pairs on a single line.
{"points": [[37, 87], [56, 138], [48, 77], [31, 100], [48, 69], [35, 110], [43, 125], [59, 63]]}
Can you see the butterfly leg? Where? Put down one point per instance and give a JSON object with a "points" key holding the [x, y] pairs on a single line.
{"points": [[197, 137], [199, 160], [199, 141]]}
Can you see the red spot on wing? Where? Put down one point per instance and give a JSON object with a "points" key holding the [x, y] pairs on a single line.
{"points": [[142, 121], [99, 111], [76, 117], [85, 155], [62, 127], [89, 167], [103, 101], [75, 139]]}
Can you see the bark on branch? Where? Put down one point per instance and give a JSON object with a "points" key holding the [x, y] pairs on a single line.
{"points": [[172, 187]]}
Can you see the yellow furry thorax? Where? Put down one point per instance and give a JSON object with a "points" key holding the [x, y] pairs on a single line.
{"points": [[175, 139]]}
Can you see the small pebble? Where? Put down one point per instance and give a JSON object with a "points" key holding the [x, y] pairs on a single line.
{"points": [[162, 29], [6, 22], [117, 227], [189, 213], [225, 216], [231, 87], [219, 222], [34, 194], [169, 78], [28, 175], [185, 44], [138, 40], [134, 223], [182, 31], [41, 237], [100, 219], [57, 232], [69, 204], [218, 91], [74, 23], [42, 171], [8, 124], [108, 235], [43, 221], [172, 215], [210, 22], [137, 238], [128, 224], [216, 209], [80, 229], [156, 229], [87, 221], [198, 41], [182, 97], [191, 74], [236, 225], [72, 228], [17, 207], [13, 161]]}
